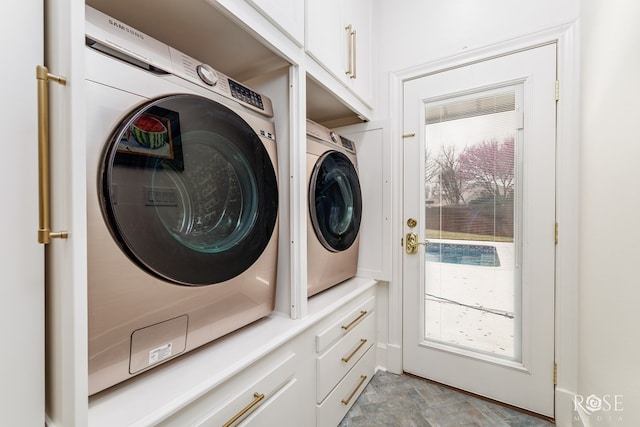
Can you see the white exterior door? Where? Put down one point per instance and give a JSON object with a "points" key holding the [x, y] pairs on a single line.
{"points": [[22, 261], [479, 212]]}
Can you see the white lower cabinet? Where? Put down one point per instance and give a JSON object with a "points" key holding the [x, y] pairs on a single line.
{"points": [[336, 362], [256, 397], [345, 360], [341, 399], [275, 372]]}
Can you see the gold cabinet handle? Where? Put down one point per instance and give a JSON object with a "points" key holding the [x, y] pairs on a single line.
{"points": [[362, 342], [44, 231], [353, 322], [349, 30], [257, 398], [346, 401], [355, 58]]}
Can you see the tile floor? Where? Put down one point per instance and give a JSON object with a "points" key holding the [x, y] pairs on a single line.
{"points": [[392, 400]]}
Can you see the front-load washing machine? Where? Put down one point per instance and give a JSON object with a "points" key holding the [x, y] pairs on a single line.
{"points": [[335, 208], [182, 202]]}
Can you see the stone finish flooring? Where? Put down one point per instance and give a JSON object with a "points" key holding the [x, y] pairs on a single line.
{"points": [[392, 400]]}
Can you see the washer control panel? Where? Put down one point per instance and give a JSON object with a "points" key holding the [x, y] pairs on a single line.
{"points": [[115, 38], [246, 95], [207, 74]]}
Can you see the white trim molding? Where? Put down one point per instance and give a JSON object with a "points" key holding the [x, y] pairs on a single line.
{"points": [[566, 37]]}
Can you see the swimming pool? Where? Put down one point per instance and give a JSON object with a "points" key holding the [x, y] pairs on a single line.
{"points": [[455, 253]]}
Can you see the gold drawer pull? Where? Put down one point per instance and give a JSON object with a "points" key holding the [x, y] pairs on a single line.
{"points": [[362, 342], [346, 401], [257, 398], [362, 314]]}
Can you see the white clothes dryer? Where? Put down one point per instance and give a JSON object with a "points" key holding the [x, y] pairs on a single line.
{"points": [[182, 202], [335, 208]]}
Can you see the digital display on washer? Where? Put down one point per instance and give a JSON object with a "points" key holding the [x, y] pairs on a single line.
{"points": [[347, 143], [245, 94]]}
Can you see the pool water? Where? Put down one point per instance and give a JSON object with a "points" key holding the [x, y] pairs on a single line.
{"points": [[454, 253]]}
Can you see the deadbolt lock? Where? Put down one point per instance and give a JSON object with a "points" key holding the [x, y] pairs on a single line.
{"points": [[411, 222]]}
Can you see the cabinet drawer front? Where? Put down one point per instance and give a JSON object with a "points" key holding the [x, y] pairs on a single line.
{"points": [[239, 397], [339, 359], [280, 410], [336, 405], [344, 324]]}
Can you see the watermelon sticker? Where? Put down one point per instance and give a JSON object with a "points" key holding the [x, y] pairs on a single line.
{"points": [[148, 135]]}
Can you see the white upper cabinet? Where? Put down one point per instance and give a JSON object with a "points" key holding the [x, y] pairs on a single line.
{"points": [[326, 38], [357, 17], [288, 15], [338, 36]]}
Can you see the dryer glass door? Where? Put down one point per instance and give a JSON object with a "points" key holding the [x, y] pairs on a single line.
{"points": [[188, 190], [335, 201]]}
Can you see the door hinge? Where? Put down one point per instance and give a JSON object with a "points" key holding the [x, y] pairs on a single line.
{"points": [[557, 90], [555, 234], [555, 374]]}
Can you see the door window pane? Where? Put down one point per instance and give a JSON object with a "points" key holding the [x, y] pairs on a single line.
{"points": [[471, 278]]}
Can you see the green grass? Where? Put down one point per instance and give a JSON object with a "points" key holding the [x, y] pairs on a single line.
{"points": [[437, 234]]}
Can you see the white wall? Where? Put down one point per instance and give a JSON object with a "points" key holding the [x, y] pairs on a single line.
{"points": [[609, 339], [415, 32]]}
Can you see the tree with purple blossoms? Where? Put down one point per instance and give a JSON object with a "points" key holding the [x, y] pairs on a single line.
{"points": [[488, 167]]}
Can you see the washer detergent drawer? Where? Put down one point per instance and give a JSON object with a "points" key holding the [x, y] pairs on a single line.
{"points": [[344, 324], [335, 406], [339, 359], [262, 390]]}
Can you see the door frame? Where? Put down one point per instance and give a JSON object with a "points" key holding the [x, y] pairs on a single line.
{"points": [[567, 203]]}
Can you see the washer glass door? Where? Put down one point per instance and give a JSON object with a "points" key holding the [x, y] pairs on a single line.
{"points": [[188, 190], [335, 201]]}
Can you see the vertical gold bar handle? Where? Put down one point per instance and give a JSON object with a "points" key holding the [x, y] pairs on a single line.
{"points": [[355, 57], [257, 398], [349, 29], [44, 231]]}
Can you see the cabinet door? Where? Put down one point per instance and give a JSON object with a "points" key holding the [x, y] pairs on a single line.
{"points": [[374, 169], [288, 15], [339, 37], [326, 36], [357, 14], [22, 263]]}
